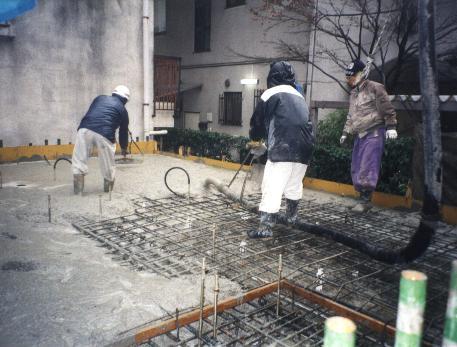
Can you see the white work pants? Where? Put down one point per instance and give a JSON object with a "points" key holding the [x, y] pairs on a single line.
{"points": [[85, 140], [281, 178]]}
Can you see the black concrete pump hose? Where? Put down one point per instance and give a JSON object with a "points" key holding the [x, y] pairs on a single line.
{"points": [[415, 248]]}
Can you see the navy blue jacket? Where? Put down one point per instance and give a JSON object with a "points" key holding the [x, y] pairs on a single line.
{"points": [[105, 115]]}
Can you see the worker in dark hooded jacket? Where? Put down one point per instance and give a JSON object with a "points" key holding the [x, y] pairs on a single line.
{"points": [[281, 119], [98, 129]]}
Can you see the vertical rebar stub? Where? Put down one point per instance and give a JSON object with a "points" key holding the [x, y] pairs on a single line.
{"points": [[49, 208], [279, 284], [339, 332], [450, 326], [216, 296], [100, 206], [202, 302], [411, 305]]}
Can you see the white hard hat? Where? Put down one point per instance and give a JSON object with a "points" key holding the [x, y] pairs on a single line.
{"points": [[122, 91]]}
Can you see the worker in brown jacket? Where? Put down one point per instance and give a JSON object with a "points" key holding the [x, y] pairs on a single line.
{"points": [[371, 120]]}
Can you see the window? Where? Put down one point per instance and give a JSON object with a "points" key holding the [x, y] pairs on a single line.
{"points": [[202, 25], [234, 3], [160, 16], [230, 108], [7, 29]]}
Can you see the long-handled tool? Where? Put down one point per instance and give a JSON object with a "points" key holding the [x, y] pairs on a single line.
{"points": [[256, 150]]}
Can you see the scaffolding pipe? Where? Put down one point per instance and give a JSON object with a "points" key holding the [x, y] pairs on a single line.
{"points": [[339, 332], [411, 306], [450, 326], [146, 71]]}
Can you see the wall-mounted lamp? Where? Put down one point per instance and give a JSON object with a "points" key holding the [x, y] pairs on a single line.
{"points": [[249, 81]]}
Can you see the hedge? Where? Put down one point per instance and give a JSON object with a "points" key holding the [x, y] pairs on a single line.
{"points": [[330, 160]]}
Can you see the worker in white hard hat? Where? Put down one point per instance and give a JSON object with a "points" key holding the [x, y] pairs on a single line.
{"points": [[97, 129]]}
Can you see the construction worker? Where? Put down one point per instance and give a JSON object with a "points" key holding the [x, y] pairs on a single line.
{"points": [[98, 127], [371, 120], [281, 118]]}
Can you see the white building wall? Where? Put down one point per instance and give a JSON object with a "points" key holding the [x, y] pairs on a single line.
{"points": [[232, 30], [65, 53]]}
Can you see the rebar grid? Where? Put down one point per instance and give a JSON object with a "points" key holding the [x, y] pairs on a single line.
{"points": [[170, 237], [256, 323]]}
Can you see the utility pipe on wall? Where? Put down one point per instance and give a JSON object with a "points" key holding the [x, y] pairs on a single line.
{"points": [[146, 71]]}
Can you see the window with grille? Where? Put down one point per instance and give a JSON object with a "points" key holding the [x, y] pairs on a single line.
{"points": [[233, 3], [230, 108], [202, 34]]}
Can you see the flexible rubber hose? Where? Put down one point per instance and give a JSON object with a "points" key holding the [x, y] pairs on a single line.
{"points": [[168, 187], [60, 159], [417, 245]]}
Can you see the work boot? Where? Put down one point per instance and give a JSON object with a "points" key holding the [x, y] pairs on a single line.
{"points": [[267, 222], [291, 211], [78, 183], [364, 204], [108, 185]]}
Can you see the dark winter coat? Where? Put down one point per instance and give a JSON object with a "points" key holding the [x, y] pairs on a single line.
{"points": [[105, 115], [281, 118]]}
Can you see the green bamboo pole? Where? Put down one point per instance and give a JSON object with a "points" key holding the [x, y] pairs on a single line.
{"points": [[339, 332], [411, 305], [450, 327]]}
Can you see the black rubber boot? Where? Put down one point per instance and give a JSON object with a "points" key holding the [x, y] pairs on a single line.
{"points": [[107, 185], [291, 211], [78, 184], [267, 222], [365, 202]]}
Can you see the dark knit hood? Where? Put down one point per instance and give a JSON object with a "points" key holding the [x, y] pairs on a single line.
{"points": [[281, 72]]}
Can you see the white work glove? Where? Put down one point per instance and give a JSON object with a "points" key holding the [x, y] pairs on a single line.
{"points": [[259, 150], [391, 134], [342, 139]]}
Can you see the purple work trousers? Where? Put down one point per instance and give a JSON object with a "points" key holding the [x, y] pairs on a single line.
{"points": [[366, 160]]}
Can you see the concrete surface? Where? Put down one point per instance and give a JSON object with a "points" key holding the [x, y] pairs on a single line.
{"points": [[60, 288]]}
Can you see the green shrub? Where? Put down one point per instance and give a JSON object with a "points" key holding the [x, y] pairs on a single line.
{"points": [[330, 160], [206, 144]]}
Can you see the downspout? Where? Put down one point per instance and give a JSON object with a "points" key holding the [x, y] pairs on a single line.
{"points": [[147, 121]]}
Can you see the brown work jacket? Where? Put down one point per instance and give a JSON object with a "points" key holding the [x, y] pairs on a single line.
{"points": [[369, 109]]}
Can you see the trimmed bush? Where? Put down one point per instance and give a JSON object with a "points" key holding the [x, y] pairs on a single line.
{"points": [[330, 160], [207, 144]]}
